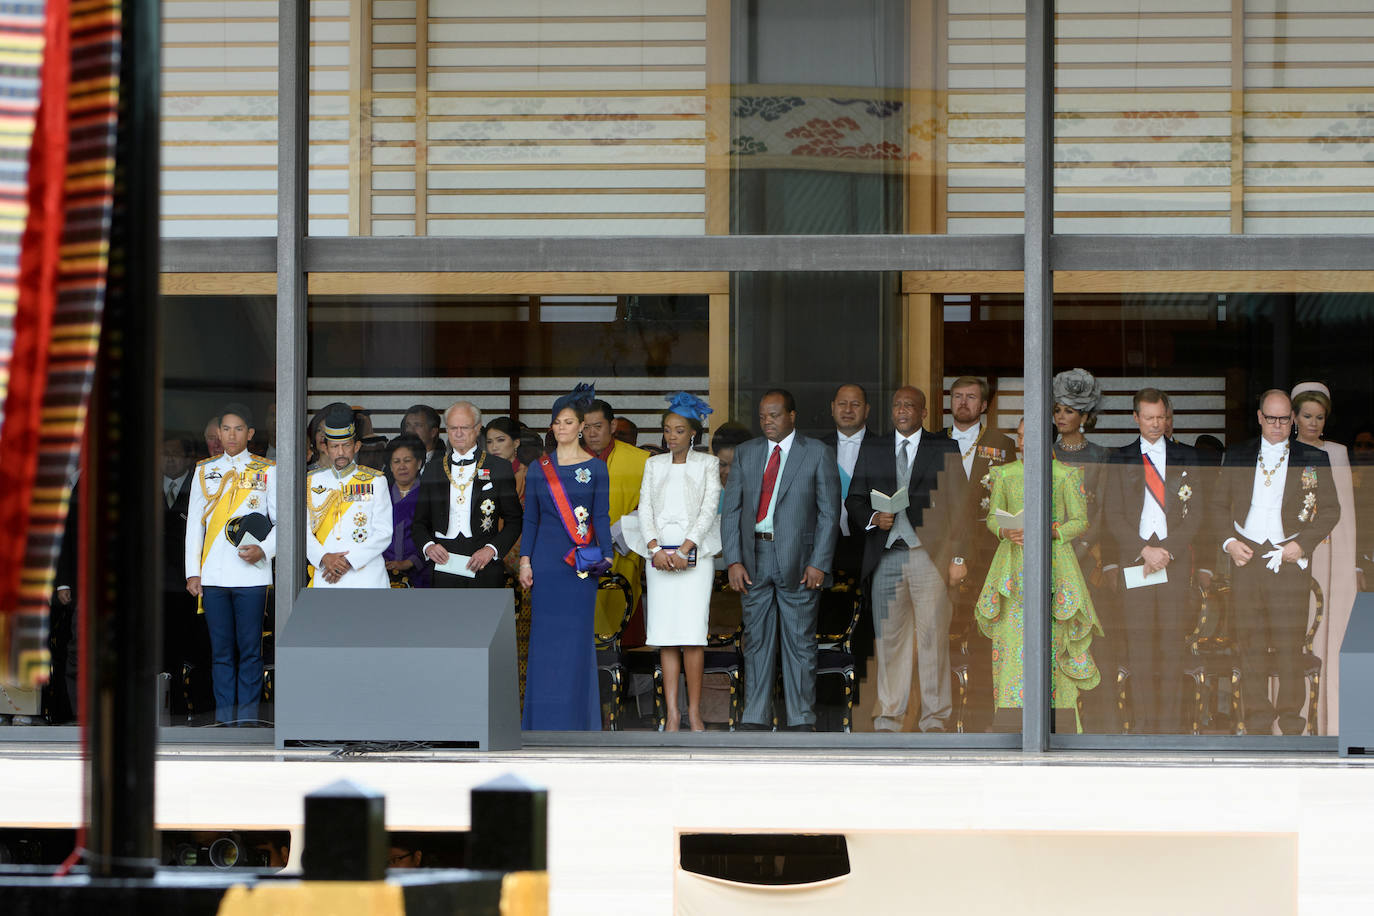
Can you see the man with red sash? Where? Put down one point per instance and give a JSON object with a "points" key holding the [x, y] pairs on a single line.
{"points": [[1154, 511], [626, 466], [348, 509], [231, 580]]}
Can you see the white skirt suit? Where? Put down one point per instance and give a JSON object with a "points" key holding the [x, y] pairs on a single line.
{"points": [[678, 502]]}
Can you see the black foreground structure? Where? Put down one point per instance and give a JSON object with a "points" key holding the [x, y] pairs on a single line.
{"points": [[118, 870]]}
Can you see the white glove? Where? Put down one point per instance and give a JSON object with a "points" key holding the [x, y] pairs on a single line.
{"points": [[1275, 558]]}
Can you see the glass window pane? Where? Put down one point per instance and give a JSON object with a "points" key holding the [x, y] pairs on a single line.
{"points": [[841, 345], [1213, 117], [669, 118], [202, 376], [1225, 640]]}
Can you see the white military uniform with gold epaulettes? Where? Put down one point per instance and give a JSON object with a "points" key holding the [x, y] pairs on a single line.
{"points": [[249, 484], [358, 501]]}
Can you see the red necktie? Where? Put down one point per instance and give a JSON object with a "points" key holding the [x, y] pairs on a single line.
{"points": [[770, 477], [1153, 482]]}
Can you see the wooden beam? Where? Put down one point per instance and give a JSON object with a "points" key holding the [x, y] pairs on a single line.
{"points": [[718, 117], [257, 284], [719, 362]]}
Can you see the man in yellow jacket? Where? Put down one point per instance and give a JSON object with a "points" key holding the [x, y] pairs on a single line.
{"points": [[626, 464]]}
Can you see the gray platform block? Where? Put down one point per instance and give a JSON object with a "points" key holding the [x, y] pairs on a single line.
{"points": [[1357, 679], [433, 665]]}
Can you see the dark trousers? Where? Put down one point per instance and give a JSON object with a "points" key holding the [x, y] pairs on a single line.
{"points": [[491, 576], [234, 618], [778, 615], [1157, 619], [1269, 611]]}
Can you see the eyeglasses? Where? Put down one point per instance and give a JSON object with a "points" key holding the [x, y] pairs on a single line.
{"points": [[468, 428], [1277, 421]]}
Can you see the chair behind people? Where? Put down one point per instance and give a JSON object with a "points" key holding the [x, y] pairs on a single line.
{"points": [[1214, 667], [838, 616], [610, 654]]}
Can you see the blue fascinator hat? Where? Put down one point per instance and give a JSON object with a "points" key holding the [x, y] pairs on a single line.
{"points": [[580, 398], [688, 405]]}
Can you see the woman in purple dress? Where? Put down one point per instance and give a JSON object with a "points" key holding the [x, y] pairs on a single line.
{"points": [[406, 568], [567, 504]]}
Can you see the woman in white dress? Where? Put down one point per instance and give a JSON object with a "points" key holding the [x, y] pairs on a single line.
{"points": [[1333, 562], [679, 521]]}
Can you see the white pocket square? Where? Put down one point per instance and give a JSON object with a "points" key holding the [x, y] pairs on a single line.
{"points": [[487, 487]]}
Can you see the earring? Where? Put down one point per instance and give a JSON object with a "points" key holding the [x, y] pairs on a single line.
{"points": [[1080, 427]]}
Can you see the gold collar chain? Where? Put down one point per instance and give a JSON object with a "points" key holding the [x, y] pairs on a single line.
{"points": [[1270, 472], [462, 488]]}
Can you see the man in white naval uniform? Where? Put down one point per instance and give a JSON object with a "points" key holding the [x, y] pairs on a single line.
{"points": [[349, 512], [231, 581]]}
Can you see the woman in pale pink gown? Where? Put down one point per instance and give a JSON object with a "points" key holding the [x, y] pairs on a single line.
{"points": [[1333, 562]]}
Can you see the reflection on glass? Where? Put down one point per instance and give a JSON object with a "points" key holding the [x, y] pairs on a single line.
{"points": [[1211, 624], [203, 443], [1226, 118]]}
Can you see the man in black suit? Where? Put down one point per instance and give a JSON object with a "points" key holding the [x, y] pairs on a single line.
{"points": [[911, 558], [184, 634], [849, 409], [1275, 502], [1155, 501], [468, 506]]}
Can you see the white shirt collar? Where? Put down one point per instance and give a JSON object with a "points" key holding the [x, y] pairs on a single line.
{"points": [[464, 456], [786, 443], [173, 481], [914, 439], [1159, 447], [1272, 450], [970, 433], [857, 438]]}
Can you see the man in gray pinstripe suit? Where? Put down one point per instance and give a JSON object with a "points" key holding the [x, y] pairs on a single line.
{"points": [[780, 523]]}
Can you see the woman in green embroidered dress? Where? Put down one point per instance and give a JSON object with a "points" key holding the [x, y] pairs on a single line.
{"points": [[1000, 610]]}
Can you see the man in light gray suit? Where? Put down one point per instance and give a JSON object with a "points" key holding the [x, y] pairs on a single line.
{"points": [[780, 524]]}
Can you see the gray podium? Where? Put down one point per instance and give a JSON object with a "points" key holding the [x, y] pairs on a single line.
{"points": [[431, 665], [1357, 679]]}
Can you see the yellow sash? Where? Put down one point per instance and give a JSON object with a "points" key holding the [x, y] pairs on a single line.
{"points": [[327, 514], [224, 506]]}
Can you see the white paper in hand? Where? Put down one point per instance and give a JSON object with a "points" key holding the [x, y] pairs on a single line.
{"points": [[1137, 578], [250, 541], [893, 504], [1008, 522], [457, 565]]}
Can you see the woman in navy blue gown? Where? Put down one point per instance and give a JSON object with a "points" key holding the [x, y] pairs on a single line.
{"points": [[561, 687]]}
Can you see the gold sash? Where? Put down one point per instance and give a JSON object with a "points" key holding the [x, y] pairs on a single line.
{"points": [[326, 515], [224, 506]]}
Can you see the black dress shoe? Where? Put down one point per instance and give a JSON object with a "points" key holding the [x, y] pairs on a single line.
{"points": [[801, 728], [753, 727]]}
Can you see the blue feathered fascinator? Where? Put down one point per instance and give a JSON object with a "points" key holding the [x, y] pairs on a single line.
{"points": [[580, 398], [688, 405]]}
